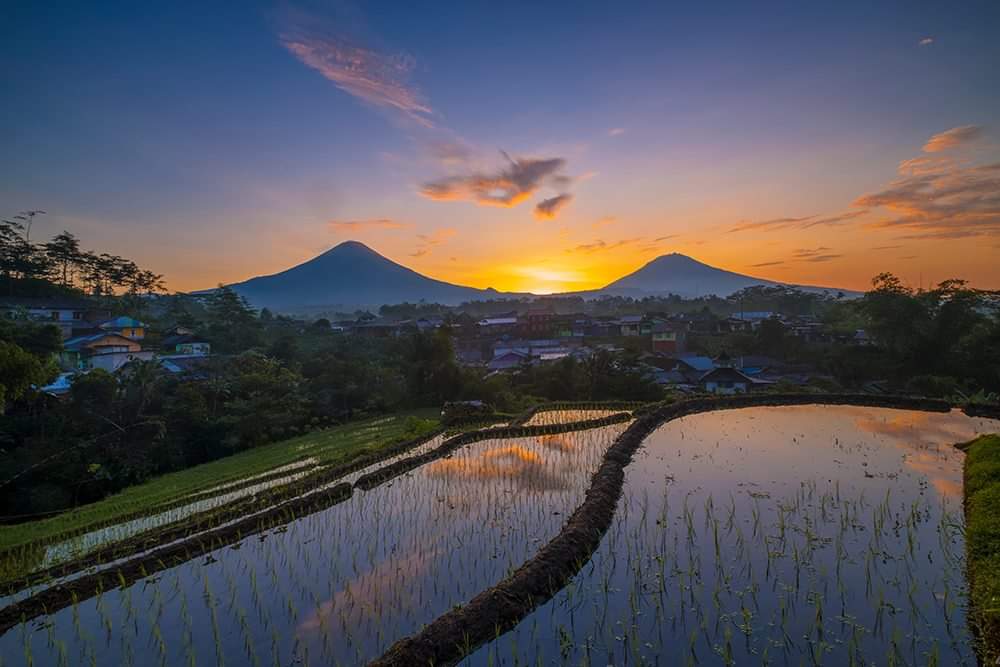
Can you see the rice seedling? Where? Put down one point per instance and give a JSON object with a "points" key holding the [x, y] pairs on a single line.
{"points": [[822, 575]]}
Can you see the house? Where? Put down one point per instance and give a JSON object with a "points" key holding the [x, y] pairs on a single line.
{"points": [[725, 380], [630, 325], [106, 350], [60, 386], [191, 366], [498, 325], [537, 321], [66, 313], [509, 359], [187, 344], [668, 337], [692, 367], [128, 327]]}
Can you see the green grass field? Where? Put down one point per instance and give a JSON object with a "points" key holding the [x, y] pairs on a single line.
{"points": [[330, 446], [982, 540]]}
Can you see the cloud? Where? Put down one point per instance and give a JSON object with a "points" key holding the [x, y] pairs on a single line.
{"points": [[820, 254], [798, 223], [616, 131], [547, 209], [887, 247], [926, 41], [757, 266], [774, 223], [665, 238], [925, 164], [358, 225], [956, 136], [376, 78], [605, 221], [508, 187], [427, 242], [956, 202], [601, 245], [450, 152]]}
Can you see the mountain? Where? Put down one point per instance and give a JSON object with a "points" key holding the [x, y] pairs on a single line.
{"points": [[351, 275], [686, 277]]}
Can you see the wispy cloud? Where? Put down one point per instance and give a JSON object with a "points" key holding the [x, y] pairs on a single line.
{"points": [[956, 136], [820, 254], [761, 264], [926, 41], [547, 209], [804, 222], [957, 202], [601, 245], [358, 225], [450, 151], [427, 242], [616, 131], [605, 221], [887, 247], [507, 187], [377, 78]]}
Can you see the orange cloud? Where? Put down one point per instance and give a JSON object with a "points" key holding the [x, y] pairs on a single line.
{"points": [[508, 187], [821, 254], [601, 245], [956, 136], [953, 202], [547, 209]]}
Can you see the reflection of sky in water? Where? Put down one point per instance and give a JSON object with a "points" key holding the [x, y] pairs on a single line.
{"points": [[849, 510], [341, 585]]}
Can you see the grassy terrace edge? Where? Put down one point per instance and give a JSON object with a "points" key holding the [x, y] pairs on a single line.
{"points": [[457, 633], [168, 491], [197, 524], [982, 542], [126, 573]]}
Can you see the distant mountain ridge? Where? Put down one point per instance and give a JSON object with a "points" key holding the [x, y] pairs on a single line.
{"points": [[349, 275], [686, 277], [352, 275]]}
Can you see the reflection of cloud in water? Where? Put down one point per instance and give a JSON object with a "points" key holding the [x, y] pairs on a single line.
{"points": [[922, 437], [516, 463], [915, 430], [362, 598]]}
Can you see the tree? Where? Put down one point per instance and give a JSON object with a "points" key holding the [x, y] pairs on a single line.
{"points": [[64, 251], [19, 371]]}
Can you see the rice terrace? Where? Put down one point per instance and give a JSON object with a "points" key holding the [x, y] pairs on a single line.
{"points": [[773, 529], [497, 334]]}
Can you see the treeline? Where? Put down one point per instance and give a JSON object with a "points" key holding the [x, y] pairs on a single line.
{"points": [[28, 268], [276, 378], [941, 342]]}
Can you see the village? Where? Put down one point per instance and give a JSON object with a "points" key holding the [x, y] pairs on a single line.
{"points": [[94, 337]]}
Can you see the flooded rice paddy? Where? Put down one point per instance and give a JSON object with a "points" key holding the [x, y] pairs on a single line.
{"points": [[338, 586], [786, 536], [799, 535]]}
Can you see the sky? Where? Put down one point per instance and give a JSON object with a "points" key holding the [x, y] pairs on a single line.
{"points": [[522, 146]]}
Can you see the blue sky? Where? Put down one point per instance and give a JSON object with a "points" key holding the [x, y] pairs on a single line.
{"points": [[215, 144]]}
